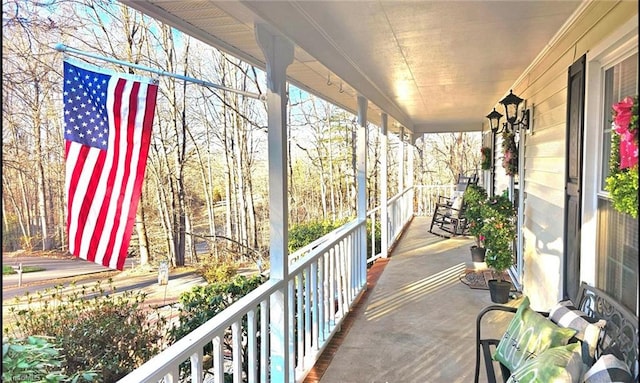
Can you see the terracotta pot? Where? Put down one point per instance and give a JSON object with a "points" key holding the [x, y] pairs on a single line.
{"points": [[499, 290], [477, 253]]}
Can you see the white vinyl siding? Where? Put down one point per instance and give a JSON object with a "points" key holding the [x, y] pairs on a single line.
{"points": [[544, 87]]}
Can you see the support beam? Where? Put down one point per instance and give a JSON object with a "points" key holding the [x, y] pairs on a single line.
{"points": [[410, 152], [409, 198], [361, 161], [384, 209], [278, 52], [401, 161], [361, 157]]}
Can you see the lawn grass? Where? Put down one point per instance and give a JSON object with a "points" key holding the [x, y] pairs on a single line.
{"points": [[6, 269]]}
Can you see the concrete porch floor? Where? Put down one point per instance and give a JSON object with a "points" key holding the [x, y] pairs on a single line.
{"points": [[417, 322]]}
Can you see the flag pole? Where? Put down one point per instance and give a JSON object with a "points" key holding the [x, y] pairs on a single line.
{"points": [[64, 48]]}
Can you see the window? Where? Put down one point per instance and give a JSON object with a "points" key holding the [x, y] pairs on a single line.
{"points": [[617, 232], [620, 81]]}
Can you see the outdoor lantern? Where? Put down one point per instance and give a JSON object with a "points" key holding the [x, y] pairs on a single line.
{"points": [[494, 120], [511, 102]]}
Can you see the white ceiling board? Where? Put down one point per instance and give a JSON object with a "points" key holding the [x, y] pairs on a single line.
{"points": [[433, 66]]}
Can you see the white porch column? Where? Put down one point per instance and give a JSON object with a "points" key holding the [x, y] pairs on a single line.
{"points": [[401, 161], [278, 53], [412, 144], [361, 179], [410, 177], [384, 210]]}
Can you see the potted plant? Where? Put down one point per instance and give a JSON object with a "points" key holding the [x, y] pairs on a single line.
{"points": [[499, 230], [475, 198]]}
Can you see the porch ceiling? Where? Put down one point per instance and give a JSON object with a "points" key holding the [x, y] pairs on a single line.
{"points": [[432, 66]]}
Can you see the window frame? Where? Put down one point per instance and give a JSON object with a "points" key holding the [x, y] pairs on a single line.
{"points": [[615, 60], [621, 44]]}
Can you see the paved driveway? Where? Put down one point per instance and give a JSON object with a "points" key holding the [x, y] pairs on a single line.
{"points": [[56, 268]]}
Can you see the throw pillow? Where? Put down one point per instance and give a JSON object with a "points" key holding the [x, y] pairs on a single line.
{"points": [[456, 204], [528, 335], [607, 369], [562, 364], [565, 314]]}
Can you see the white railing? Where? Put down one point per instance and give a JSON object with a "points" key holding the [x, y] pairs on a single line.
{"points": [[399, 214], [427, 197], [325, 279], [400, 210]]}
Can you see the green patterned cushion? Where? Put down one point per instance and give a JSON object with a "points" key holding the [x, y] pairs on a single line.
{"points": [[562, 364], [528, 335]]}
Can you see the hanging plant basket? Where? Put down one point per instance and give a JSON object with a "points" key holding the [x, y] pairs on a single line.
{"points": [[486, 158], [622, 182], [510, 153]]}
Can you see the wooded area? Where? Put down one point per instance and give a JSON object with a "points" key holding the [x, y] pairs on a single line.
{"points": [[206, 173]]}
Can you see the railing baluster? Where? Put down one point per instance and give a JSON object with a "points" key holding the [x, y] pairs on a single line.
{"points": [[332, 285], [341, 286], [264, 341], [300, 319], [196, 366], [315, 306], [322, 298], [236, 344], [252, 347], [218, 359], [308, 301], [373, 234], [290, 346]]}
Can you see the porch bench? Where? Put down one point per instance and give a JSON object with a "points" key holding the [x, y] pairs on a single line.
{"points": [[619, 336]]}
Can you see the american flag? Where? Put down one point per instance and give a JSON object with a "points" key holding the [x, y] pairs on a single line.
{"points": [[107, 127]]}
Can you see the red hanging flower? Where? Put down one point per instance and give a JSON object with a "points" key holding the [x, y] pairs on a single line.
{"points": [[628, 137], [622, 182]]}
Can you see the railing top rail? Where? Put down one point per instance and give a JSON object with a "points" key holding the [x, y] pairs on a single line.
{"points": [[399, 195], [336, 236], [324, 238]]}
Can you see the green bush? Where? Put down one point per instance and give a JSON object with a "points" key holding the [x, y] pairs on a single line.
{"points": [[35, 359], [204, 302], [377, 237], [305, 233], [216, 269], [96, 330]]}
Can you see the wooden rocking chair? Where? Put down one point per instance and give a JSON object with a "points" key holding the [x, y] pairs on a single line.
{"points": [[448, 215]]}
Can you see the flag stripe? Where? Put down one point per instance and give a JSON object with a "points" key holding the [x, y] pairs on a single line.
{"points": [[106, 153], [121, 208], [83, 192], [143, 136], [102, 232]]}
